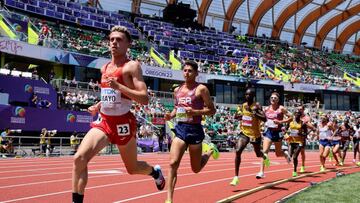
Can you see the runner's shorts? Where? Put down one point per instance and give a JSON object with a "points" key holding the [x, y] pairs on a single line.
{"points": [[273, 135], [119, 129], [190, 133], [325, 143]]}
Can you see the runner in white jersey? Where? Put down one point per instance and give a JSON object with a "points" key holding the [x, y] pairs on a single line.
{"points": [[324, 132]]}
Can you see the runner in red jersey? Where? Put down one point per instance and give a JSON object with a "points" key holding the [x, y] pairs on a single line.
{"points": [[121, 83]]}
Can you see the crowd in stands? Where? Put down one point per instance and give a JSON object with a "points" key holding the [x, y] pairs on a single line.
{"points": [[216, 52]]}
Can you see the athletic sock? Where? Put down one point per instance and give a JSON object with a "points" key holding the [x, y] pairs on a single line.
{"points": [[155, 174], [77, 198]]}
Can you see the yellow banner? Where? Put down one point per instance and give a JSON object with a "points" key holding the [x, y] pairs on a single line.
{"points": [[7, 30], [355, 81], [157, 58], [176, 64], [32, 36], [278, 73]]}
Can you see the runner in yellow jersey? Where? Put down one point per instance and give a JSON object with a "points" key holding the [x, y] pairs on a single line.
{"points": [[295, 136], [251, 115]]}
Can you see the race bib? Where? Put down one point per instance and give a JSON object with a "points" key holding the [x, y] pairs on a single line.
{"points": [[294, 133], [345, 134], [110, 97], [123, 129], [270, 124], [181, 115], [247, 121]]}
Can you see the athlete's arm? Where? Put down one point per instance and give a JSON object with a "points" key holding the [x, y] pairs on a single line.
{"points": [[169, 116], [287, 114], [94, 108], [311, 126], [139, 94], [259, 113]]}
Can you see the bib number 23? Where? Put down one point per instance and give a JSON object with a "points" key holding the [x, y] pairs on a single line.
{"points": [[123, 129]]}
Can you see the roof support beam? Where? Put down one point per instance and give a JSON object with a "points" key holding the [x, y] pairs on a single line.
{"points": [[346, 34], [259, 14], [286, 15], [312, 17], [230, 14], [202, 13], [333, 22], [357, 46]]}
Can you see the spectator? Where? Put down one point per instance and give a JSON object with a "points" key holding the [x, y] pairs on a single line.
{"points": [[51, 75], [74, 142], [43, 136], [33, 100]]}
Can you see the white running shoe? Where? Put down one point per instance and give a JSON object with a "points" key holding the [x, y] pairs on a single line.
{"points": [[260, 175]]}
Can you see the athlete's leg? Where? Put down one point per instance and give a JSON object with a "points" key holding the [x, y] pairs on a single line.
{"points": [[297, 150], [303, 157], [197, 159], [356, 148], [240, 146], [278, 149], [178, 148], [325, 154], [93, 142], [266, 147], [344, 150], [335, 151], [257, 148], [321, 151], [128, 154]]}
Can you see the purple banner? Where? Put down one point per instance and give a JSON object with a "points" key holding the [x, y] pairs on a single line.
{"points": [[21, 89], [33, 119]]}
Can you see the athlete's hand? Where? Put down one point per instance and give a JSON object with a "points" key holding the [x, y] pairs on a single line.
{"points": [[93, 110], [189, 111], [112, 82], [167, 116], [277, 122]]}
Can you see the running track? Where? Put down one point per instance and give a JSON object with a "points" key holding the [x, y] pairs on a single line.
{"points": [[49, 179]]}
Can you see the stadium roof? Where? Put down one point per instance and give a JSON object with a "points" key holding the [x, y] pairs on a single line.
{"points": [[331, 23]]}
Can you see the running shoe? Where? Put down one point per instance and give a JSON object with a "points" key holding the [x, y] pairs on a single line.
{"points": [[235, 181], [322, 168], [160, 181], [168, 201], [358, 163], [341, 163], [302, 169], [216, 152], [294, 174], [354, 161], [205, 148], [266, 160], [260, 175]]}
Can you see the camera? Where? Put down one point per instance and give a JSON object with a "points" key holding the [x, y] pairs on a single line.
{"points": [[15, 131], [52, 131]]}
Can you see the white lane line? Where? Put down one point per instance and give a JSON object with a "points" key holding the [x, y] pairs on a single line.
{"points": [[144, 180], [106, 172], [202, 183]]}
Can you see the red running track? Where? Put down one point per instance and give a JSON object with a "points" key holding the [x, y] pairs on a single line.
{"points": [[49, 179]]}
